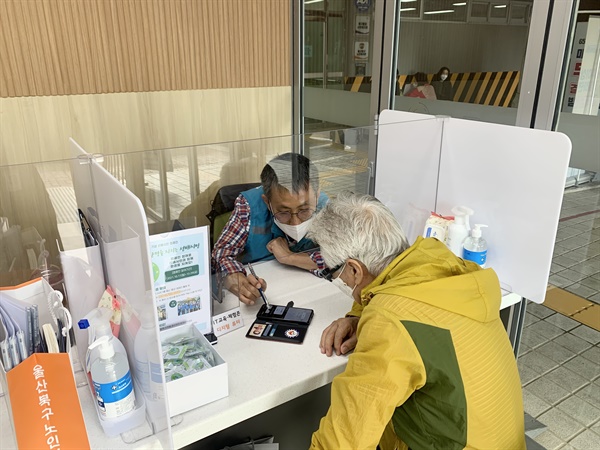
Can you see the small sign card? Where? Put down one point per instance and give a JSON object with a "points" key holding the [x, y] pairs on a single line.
{"points": [[228, 321]]}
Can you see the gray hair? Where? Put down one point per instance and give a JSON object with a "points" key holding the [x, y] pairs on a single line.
{"points": [[290, 171], [360, 227]]}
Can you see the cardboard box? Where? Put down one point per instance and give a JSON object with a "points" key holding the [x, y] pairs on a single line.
{"points": [[201, 387]]}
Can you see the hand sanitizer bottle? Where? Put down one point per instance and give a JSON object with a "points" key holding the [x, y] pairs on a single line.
{"points": [[97, 322], [458, 230], [475, 247], [112, 380]]}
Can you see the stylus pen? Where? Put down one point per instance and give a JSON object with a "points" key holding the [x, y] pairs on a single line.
{"points": [[262, 294]]}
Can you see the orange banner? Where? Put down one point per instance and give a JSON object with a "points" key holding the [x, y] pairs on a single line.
{"points": [[45, 405]]}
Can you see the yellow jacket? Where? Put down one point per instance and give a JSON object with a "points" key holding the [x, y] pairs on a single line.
{"points": [[433, 366]]}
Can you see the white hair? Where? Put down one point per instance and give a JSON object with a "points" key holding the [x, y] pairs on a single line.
{"points": [[360, 227]]}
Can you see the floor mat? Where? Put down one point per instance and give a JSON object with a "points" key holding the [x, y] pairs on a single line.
{"points": [[571, 305]]}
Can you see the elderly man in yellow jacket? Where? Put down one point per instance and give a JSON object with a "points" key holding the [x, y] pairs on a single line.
{"points": [[432, 366]]}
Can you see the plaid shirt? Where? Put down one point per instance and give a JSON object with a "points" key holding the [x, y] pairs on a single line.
{"points": [[233, 240]]}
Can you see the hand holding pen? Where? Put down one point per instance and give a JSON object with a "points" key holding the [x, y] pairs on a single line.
{"points": [[260, 290], [245, 287]]}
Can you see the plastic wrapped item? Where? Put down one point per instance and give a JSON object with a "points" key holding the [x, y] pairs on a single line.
{"points": [[437, 227], [185, 356]]}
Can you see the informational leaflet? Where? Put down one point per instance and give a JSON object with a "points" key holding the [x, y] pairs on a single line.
{"points": [[180, 265]]}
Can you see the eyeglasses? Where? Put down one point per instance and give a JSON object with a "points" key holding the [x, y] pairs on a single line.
{"points": [[286, 216], [327, 273]]}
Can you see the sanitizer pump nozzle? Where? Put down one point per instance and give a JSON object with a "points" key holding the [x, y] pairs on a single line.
{"points": [[98, 322], [462, 213]]}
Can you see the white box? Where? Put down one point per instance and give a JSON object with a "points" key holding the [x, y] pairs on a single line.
{"points": [[199, 388]]}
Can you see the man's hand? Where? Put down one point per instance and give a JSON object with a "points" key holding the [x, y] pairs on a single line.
{"points": [[280, 249], [283, 254], [245, 287], [339, 336]]}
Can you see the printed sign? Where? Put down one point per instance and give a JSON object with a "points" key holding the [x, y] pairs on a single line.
{"points": [[362, 25], [227, 321], [575, 66], [180, 265], [362, 5], [361, 51]]}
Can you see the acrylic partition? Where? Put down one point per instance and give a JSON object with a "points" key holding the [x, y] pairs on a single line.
{"points": [[442, 162], [180, 183], [177, 186], [119, 223], [126, 198], [41, 235]]}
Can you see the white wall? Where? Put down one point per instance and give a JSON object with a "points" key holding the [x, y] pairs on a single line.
{"points": [[427, 46]]}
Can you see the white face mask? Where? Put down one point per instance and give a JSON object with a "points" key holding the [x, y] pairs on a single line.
{"points": [[443, 77], [342, 286], [296, 232]]}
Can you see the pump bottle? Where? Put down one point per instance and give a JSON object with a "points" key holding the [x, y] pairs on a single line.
{"points": [[458, 230], [475, 247], [97, 322], [144, 338], [112, 380]]}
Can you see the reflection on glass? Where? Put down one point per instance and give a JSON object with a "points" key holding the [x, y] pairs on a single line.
{"points": [[579, 116], [338, 55], [192, 177], [36, 204], [462, 59]]}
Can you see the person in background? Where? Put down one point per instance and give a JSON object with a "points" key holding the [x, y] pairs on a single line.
{"points": [[432, 366], [442, 85], [420, 87], [271, 221]]}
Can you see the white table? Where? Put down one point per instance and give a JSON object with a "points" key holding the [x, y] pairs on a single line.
{"points": [[262, 374]]}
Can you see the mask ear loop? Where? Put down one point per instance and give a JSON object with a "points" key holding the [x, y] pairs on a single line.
{"points": [[343, 268], [287, 238]]}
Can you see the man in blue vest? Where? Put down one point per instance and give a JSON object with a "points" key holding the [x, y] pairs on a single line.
{"points": [[271, 221]]}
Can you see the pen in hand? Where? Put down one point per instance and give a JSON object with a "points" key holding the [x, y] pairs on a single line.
{"points": [[262, 294]]}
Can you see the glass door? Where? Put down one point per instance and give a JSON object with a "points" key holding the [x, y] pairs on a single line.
{"points": [[342, 43], [340, 64], [579, 110], [461, 58]]}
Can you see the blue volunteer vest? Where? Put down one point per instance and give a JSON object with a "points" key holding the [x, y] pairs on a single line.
{"points": [[263, 228]]}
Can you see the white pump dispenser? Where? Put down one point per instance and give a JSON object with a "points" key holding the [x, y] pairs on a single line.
{"points": [[144, 338], [97, 322], [112, 380], [475, 247], [458, 230]]}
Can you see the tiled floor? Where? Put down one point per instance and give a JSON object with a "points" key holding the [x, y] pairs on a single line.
{"points": [[576, 261], [559, 361]]}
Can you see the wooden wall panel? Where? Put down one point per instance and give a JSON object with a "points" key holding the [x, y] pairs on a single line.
{"points": [[67, 47], [37, 129]]}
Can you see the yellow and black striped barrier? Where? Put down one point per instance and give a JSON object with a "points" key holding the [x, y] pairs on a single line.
{"points": [[481, 88]]}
